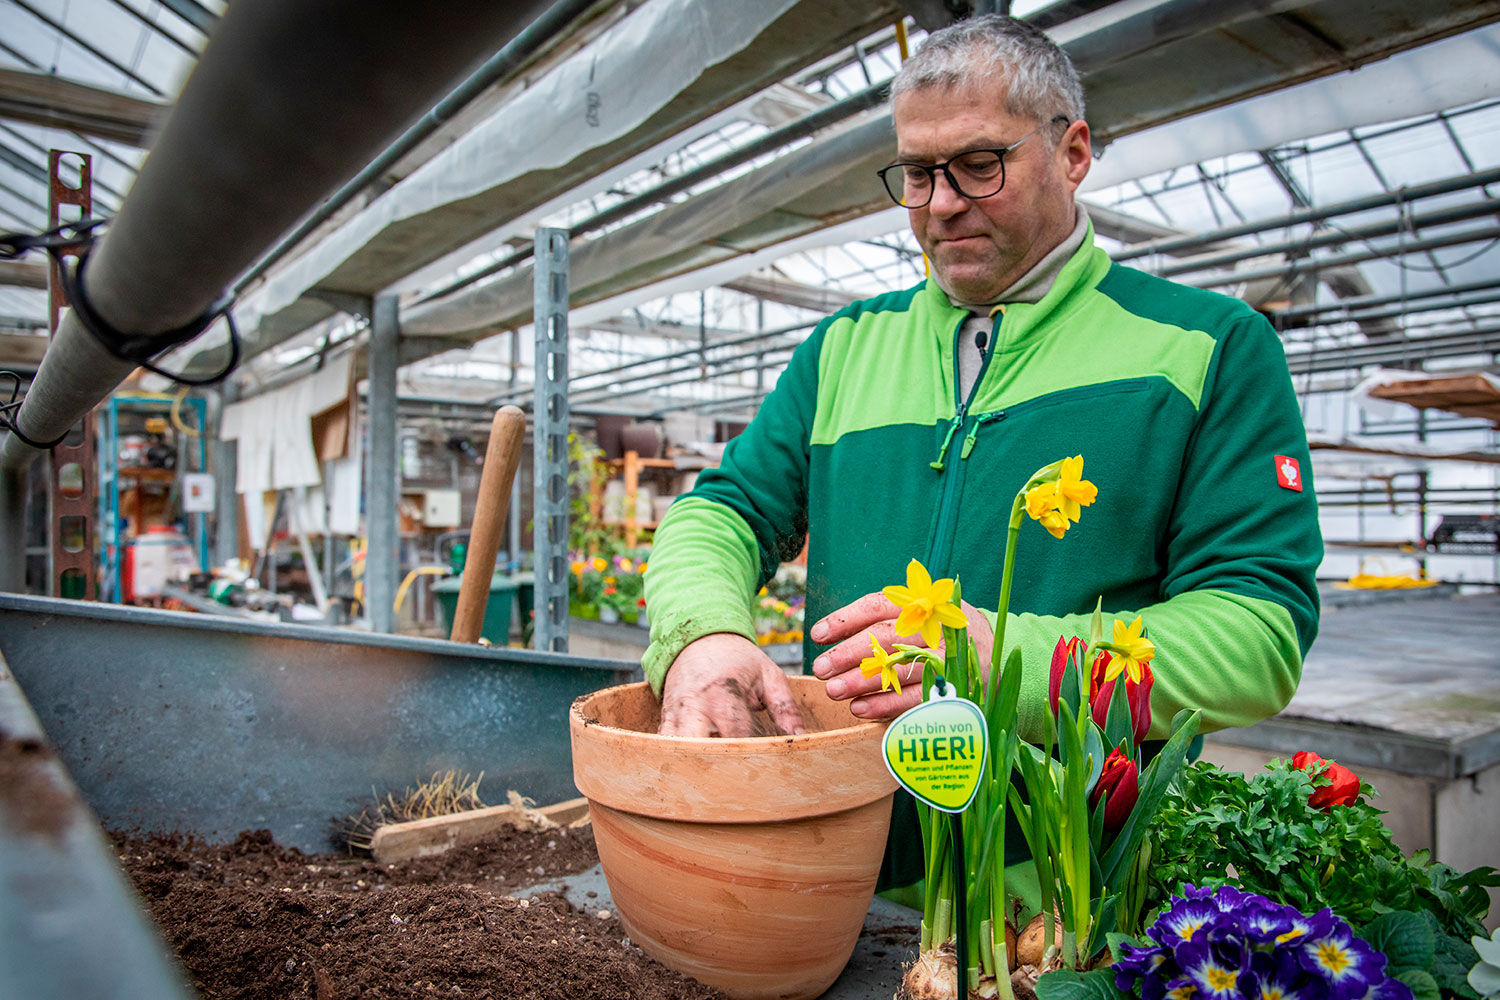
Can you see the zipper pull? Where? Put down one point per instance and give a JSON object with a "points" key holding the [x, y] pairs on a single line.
{"points": [[973, 437], [953, 427]]}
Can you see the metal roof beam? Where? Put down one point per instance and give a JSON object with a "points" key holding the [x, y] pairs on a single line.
{"points": [[103, 57], [193, 13], [23, 274], [156, 28], [55, 102]]}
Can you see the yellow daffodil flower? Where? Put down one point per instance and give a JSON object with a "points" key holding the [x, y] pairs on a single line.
{"points": [[1055, 521], [1041, 499], [881, 663], [926, 605], [1056, 502], [1073, 491], [1131, 651], [600, 563], [641, 568], [578, 568]]}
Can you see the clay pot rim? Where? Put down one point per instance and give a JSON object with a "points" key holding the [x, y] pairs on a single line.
{"points": [[714, 744], [672, 777]]}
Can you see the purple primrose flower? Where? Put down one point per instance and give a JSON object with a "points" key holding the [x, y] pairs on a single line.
{"points": [[1226, 944]]}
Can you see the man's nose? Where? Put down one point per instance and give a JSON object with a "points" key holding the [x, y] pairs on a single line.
{"points": [[946, 201]]}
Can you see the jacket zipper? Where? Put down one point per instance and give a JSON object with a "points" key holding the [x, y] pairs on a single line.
{"points": [[937, 556], [973, 437]]}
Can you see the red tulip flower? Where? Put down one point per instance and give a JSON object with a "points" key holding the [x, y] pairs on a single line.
{"points": [[1137, 696], [1064, 651], [1343, 784], [1119, 785]]}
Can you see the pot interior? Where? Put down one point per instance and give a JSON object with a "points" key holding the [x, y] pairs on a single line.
{"points": [[634, 708]]}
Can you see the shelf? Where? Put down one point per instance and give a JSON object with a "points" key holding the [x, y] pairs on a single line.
{"points": [[148, 473]]}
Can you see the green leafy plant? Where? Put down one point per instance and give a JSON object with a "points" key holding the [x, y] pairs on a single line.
{"points": [[586, 469]]}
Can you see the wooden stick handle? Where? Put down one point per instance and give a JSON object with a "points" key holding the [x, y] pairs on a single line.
{"points": [[500, 461]]}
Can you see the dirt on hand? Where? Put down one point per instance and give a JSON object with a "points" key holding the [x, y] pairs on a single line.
{"points": [[255, 921]]}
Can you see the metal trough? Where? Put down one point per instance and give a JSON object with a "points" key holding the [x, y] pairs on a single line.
{"points": [[166, 721]]}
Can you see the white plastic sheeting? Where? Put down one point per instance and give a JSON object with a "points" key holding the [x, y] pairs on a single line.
{"points": [[274, 431], [751, 213], [596, 96]]}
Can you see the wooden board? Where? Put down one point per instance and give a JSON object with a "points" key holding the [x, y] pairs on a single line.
{"points": [[423, 838], [1470, 395]]}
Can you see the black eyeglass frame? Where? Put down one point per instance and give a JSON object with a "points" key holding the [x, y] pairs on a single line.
{"points": [[932, 170]]}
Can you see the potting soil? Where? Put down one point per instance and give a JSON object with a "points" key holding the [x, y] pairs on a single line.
{"points": [[255, 921]]}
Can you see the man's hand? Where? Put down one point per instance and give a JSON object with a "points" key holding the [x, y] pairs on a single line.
{"points": [[718, 682], [851, 627]]}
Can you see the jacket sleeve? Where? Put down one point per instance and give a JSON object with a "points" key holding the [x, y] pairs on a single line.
{"points": [[1239, 605], [721, 542]]}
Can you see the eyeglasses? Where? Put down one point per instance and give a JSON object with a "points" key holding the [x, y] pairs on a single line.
{"points": [[977, 173]]}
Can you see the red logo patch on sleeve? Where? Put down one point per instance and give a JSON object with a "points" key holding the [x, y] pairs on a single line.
{"points": [[1288, 473]]}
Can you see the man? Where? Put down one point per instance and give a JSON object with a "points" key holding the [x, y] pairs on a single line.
{"points": [[904, 425]]}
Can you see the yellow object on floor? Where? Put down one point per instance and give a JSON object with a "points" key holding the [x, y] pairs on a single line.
{"points": [[1371, 581]]}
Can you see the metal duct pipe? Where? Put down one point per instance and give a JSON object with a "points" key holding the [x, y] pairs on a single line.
{"points": [[1332, 237], [1316, 213], [1371, 301], [595, 394], [1314, 264], [523, 394], [497, 67], [1396, 351], [289, 98], [1333, 314]]}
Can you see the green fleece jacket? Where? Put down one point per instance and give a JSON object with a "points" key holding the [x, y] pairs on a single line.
{"points": [[1178, 399]]}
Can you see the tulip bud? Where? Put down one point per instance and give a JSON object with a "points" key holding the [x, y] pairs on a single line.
{"points": [[1139, 697], [1054, 679], [1343, 784], [1065, 652], [1119, 785]]}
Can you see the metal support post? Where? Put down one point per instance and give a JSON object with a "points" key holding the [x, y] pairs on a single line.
{"points": [[382, 473], [226, 458], [550, 446], [73, 479]]}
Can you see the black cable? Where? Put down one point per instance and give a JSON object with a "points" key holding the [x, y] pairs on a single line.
{"points": [[139, 349], [11, 409]]}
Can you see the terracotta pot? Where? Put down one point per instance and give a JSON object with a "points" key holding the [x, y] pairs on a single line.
{"points": [[645, 440], [748, 863]]}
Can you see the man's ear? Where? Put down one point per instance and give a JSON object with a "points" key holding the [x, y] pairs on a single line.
{"points": [[1077, 152]]}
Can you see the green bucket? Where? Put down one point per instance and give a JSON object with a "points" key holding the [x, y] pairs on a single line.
{"points": [[496, 627]]}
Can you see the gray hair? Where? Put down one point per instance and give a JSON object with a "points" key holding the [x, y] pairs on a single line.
{"points": [[1042, 80]]}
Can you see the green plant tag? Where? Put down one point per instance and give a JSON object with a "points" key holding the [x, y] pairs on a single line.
{"points": [[937, 749]]}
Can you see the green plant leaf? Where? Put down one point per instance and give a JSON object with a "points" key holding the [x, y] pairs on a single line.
{"points": [[1404, 937], [1153, 788], [1093, 745], [1115, 941], [1065, 984], [1117, 725], [1423, 986]]}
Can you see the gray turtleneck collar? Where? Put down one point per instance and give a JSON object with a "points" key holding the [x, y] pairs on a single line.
{"points": [[1030, 288]]}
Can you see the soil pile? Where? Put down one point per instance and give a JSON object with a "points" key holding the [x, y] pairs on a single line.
{"points": [[254, 921]]}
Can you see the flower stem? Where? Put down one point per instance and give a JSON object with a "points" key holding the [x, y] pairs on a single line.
{"points": [[997, 652]]}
